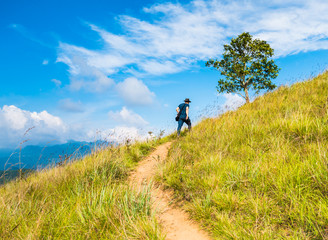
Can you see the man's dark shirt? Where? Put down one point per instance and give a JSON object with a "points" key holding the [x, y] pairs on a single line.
{"points": [[183, 108]]}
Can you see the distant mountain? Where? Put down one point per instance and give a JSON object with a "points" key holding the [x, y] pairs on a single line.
{"points": [[33, 157], [7, 176]]}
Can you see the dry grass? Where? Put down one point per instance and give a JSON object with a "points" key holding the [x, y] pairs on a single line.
{"points": [[86, 199], [260, 172]]}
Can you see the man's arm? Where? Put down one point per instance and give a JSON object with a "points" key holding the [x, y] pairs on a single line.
{"points": [[178, 109], [187, 112]]}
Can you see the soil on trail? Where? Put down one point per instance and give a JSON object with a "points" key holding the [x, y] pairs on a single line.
{"points": [[174, 221]]}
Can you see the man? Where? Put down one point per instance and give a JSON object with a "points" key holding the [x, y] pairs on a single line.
{"points": [[183, 113]]}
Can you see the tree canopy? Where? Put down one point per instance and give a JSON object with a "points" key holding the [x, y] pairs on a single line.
{"points": [[246, 65]]}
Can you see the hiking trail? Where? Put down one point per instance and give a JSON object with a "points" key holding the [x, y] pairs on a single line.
{"points": [[175, 221]]}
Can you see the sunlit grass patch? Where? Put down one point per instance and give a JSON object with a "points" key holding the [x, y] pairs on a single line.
{"points": [[259, 172], [85, 199]]}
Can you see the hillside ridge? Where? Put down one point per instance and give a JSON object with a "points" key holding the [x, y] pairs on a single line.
{"points": [[260, 172]]}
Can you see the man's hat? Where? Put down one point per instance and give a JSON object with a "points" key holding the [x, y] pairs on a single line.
{"points": [[187, 100]]}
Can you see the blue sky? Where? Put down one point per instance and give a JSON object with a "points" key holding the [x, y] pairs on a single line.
{"points": [[113, 69]]}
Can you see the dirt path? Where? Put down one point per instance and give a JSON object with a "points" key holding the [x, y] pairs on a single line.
{"points": [[175, 221]]}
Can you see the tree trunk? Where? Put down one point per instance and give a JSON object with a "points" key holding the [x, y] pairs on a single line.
{"points": [[246, 95]]}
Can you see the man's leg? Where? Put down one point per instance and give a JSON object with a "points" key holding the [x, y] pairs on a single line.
{"points": [[180, 123], [189, 124]]}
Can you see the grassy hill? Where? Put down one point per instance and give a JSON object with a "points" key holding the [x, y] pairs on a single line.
{"points": [[87, 199], [260, 172]]}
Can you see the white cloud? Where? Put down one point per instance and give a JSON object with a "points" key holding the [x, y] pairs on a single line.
{"points": [[232, 102], [127, 117], [83, 74], [160, 68], [119, 134], [56, 82], [225, 102], [176, 36], [135, 92], [47, 128], [69, 106], [14, 122], [295, 26], [45, 62]]}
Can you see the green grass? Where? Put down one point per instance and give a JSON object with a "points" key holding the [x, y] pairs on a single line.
{"points": [[86, 199], [260, 172]]}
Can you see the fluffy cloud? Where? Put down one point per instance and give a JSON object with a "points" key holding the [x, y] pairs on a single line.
{"points": [[293, 26], [224, 102], [159, 68], [176, 36], [127, 117], [186, 33], [135, 92], [69, 106], [14, 122], [197, 30], [232, 102], [83, 74], [17, 125]]}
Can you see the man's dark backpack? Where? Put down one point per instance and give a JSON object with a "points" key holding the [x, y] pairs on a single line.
{"points": [[179, 113]]}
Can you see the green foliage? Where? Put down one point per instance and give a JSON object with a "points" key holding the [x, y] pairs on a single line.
{"points": [[246, 66], [267, 179], [87, 199]]}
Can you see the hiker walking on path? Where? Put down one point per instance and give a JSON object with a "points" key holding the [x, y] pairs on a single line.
{"points": [[183, 115]]}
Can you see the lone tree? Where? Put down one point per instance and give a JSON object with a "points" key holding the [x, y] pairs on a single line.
{"points": [[246, 66]]}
